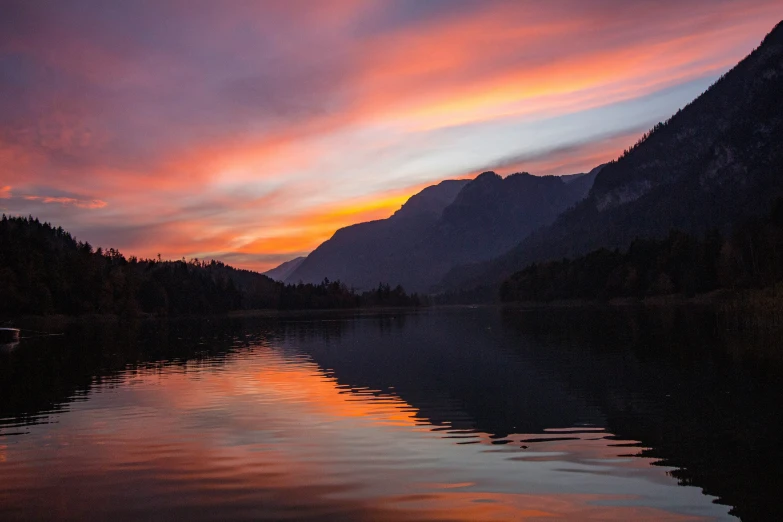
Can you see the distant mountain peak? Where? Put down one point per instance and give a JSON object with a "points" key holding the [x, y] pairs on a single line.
{"points": [[489, 175], [527, 174], [283, 270], [432, 200]]}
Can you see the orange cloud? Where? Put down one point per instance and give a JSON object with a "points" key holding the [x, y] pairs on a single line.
{"points": [[81, 203], [5, 192], [582, 77], [286, 234], [305, 231]]}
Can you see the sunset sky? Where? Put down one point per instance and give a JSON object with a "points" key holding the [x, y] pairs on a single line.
{"points": [[251, 131]]}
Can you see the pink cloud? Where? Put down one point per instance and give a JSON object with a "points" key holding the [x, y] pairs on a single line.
{"points": [[81, 203]]}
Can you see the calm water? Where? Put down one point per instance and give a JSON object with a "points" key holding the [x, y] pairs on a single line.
{"points": [[451, 414]]}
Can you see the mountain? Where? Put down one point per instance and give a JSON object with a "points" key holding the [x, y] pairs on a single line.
{"points": [[453, 222], [283, 270], [431, 201], [488, 217], [366, 254], [716, 162], [582, 183]]}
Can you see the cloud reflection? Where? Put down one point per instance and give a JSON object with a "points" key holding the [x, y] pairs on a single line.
{"points": [[265, 434]]}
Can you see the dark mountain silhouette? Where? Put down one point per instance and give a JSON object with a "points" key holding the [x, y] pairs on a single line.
{"points": [[582, 183], [488, 217], [454, 222], [431, 201], [283, 270], [715, 163], [366, 253]]}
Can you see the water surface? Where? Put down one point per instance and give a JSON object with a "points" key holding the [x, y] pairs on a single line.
{"points": [[442, 414]]}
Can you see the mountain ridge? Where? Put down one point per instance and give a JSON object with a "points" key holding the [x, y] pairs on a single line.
{"points": [[283, 270], [715, 162], [455, 221], [370, 262]]}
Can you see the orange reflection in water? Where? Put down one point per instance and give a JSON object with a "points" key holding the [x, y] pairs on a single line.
{"points": [[265, 435]]}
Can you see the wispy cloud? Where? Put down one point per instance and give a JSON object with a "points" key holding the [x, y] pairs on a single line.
{"points": [[564, 158], [81, 203]]}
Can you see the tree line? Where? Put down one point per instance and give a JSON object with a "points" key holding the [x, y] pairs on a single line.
{"points": [[751, 257], [45, 270]]}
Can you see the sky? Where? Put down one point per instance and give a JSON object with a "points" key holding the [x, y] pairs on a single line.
{"points": [[249, 131]]}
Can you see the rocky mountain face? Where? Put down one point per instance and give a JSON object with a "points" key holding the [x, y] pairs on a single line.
{"points": [[456, 221], [716, 162]]}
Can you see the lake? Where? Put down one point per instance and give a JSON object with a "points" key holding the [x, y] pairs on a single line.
{"points": [[624, 413]]}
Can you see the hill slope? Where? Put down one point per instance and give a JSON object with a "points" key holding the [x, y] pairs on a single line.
{"points": [[283, 270], [714, 163]]}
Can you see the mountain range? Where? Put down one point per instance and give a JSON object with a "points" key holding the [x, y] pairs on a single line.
{"points": [[454, 222], [717, 161]]}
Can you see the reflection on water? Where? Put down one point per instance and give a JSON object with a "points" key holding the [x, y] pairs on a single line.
{"points": [[438, 415]]}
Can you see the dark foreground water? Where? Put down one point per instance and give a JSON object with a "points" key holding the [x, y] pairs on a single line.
{"points": [[451, 414]]}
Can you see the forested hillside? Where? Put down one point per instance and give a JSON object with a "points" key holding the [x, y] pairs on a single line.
{"points": [[45, 270], [751, 257]]}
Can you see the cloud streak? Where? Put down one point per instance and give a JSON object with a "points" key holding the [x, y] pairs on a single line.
{"points": [[81, 203]]}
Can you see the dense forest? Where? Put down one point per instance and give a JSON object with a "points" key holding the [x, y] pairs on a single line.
{"points": [[44, 270], [751, 257]]}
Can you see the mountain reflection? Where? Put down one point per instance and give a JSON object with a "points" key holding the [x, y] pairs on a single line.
{"points": [[443, 414]]}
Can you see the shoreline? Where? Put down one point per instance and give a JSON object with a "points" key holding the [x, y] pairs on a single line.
{"points": [[261, 312], [715, 298]]}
